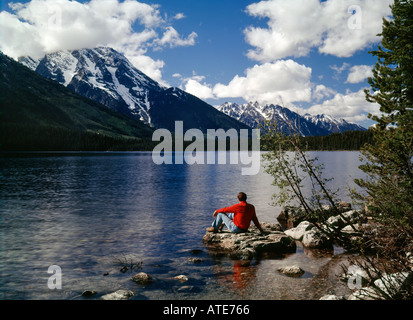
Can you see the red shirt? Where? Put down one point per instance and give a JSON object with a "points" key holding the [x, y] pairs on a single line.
{"points": [[243, 214]]}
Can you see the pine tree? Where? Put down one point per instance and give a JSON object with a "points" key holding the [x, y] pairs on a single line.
{"points": [[390, 156], [389, 167]]}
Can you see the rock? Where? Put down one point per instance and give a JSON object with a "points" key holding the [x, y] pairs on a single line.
{"points": [[335, 222], [118, 295], [297, 233], [245, 246], [186, 289], [196, 251], [315, 239], [195, 260], [343, 206], [88, 293], [292, 271], [348, 230], [367, 293], [181, 278], [295, 216], [142, 278], [332, 297], [389, 285], [392, 284]]}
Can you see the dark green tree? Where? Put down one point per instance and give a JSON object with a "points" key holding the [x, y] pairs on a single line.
{"points": [[389, 158]]}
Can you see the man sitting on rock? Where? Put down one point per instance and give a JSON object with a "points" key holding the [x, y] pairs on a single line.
{"points": [[237, 218]]}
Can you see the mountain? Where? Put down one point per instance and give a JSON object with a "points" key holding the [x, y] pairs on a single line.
{"points": [[39, 114], [333, 125], [253, 114], [106, 76]]}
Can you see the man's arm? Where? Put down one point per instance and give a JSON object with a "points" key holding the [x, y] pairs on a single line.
{"points": [[230, 209], [257, 223]]}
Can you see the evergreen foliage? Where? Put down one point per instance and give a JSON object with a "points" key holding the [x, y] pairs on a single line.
{"points": [[389, 163], [42, 115]]}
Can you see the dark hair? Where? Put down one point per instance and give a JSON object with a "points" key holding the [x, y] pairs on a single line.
{"points": [[242, 196]]}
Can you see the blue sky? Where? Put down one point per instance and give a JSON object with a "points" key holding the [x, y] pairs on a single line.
{"points": [[308, 55]]}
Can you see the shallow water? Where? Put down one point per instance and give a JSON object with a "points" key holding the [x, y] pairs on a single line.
{"points": [[91, 213]]}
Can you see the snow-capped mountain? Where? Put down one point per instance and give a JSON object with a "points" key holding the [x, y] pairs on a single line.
{"points": [[333, 125], [106, 76], [253, 114], [101, 74]]}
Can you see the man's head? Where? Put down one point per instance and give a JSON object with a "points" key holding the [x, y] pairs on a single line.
{"points": [[242, 196]]}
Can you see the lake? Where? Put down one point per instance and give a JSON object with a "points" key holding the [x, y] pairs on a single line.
{"points": [[92, 213]]}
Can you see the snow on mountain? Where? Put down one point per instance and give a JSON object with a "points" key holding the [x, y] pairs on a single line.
{"points": [[101, 74], [253, 114], [106, 76], [333, 125]]}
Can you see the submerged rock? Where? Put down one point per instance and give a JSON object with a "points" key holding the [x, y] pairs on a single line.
{"points": [[292, 271], [142, 278], [181, 277], [118, 295], [245, 246]]}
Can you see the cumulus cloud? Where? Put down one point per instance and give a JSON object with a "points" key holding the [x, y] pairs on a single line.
{"points": [[43, 26], [284, 81], [179, 16], [321, 92], [172, 39], [198, 89], [294, 28], [351, 106], [359, 73]]}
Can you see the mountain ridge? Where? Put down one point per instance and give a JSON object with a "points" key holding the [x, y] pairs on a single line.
{"points": [[288, 122], [40, 114], [106, 76]]}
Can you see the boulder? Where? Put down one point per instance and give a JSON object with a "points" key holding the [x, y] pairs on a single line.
{"points": [[182, 278], [88, 293], [118, 295], [142, 278], [388, 285], [315, 239], [245, 246], [297, 233], [292, 271]]}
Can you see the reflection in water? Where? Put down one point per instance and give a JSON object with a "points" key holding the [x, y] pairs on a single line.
{"points": [[238, 279], [81, 211]]}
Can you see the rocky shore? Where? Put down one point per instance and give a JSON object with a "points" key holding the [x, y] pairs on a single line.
{"points": [[280, 240], [251, 244], [277, 240]]}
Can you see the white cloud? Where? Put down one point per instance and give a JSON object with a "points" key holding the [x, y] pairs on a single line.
{"points": [[283, 81], [172, 39], [294, 28], [321, 91], [202, 91], [43, 26], [359, 73], [351, 106], [179, 16]]}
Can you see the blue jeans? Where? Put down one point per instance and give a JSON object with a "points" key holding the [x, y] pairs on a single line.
{"points": [[226, 218]]}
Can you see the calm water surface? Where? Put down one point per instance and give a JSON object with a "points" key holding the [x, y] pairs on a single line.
{"points": [[87, 213]]}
